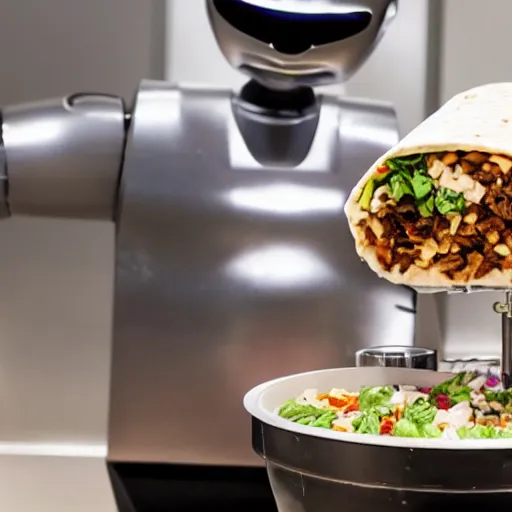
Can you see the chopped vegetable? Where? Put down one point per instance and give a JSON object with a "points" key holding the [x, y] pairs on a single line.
{"points": [[462, 407], [420, 412], [387, 425], [426, 207], [447, 201], [422, 185], [367, 423], [382, 169], [409, 177], [503, 397], [431, 431], [324, 421], [492, 382], [443, 402], [367, 194], [456, 389], [406, 428], [400, 186], [477, 432], [307, 414], [371, 397], [414, 162], [381, 177]]}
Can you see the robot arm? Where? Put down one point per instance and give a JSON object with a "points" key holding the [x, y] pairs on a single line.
{"points": [[62, 157]]}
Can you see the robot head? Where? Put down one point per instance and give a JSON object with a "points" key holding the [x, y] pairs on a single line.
{"points": [[285, 44]]}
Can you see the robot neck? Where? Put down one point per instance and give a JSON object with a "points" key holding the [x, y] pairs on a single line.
{"points": [[276, 102], [278, 126]]}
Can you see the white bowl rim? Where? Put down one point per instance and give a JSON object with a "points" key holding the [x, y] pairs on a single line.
{"points": [[252, 403]]}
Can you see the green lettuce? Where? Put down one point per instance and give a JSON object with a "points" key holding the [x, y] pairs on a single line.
{"points": [[400, 185], [408, 176], [306, 414], [367, 423], [375, 396], [420, 412], [431, 431], [447, 201], [505, 433], [456, 388], [477, 432], [406, 428], [503, 397], [417, 421], [325, 420], [426, 207], [414, 162], [422, 184], [484, 432]]}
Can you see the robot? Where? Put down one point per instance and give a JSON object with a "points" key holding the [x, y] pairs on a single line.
{"points": [[234, 262]]}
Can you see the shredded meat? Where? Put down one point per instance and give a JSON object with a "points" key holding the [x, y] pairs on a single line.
{"points": [[463, 247], [499, 203]]}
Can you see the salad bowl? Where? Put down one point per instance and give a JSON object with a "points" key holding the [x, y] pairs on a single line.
{"points": [[311, 469]]}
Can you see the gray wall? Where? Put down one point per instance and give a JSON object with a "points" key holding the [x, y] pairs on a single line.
{"points": [[56, 276], [52, 47], [473, 53]]}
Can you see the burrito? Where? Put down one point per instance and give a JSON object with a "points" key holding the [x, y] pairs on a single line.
{"points": [[436, 210]]}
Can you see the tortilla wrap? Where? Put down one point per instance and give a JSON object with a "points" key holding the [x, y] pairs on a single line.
{"points": [[474, 124]]}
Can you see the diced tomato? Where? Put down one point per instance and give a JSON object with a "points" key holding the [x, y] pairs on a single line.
{"points": [[340, 403], [347, 403], [386, 426], [382, 169], [352, 407], [353, 404]]}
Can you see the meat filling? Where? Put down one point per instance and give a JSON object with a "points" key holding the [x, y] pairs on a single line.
{"points": [[450, 210]]}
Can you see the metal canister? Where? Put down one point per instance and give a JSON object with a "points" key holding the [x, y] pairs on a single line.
{"points": [[398, 357]]}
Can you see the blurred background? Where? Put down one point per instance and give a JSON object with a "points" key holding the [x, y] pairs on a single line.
{"points": [[56, 276]]}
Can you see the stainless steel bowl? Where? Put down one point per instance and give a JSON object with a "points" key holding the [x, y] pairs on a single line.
{"points": [[398, 357], [319, 470]]}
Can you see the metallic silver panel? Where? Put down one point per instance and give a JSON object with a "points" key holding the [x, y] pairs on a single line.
{"points": [[64, 156], [230, 273], [320, 65], [4, 202]]}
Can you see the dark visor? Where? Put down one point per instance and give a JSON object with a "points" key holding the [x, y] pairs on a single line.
{"points": [[288, 32]]}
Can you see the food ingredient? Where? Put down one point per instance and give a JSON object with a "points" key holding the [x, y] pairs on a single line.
{"points": [[466, 406]]}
